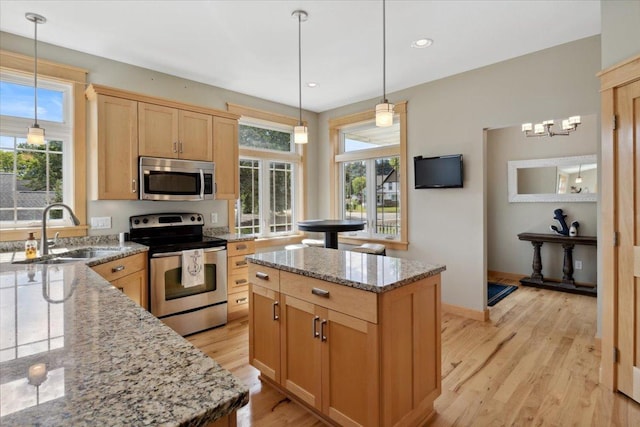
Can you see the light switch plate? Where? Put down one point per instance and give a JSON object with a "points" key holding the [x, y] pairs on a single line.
{"points": [[214, 218], [101, 222], [578, 265]]}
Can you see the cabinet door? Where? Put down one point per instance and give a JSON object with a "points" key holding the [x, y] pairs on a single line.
{"points": [[134, 286], [225, 156], [116, 149], [300, 349], [157, 131], [264, 331], [195, 136], [350, 370]]}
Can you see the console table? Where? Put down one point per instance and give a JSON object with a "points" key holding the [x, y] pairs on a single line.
{"points": [[567, 284]]}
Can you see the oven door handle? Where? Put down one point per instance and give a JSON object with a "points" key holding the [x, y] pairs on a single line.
{"points": [[179, 253]]}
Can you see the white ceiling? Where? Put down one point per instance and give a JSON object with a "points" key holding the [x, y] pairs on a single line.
{"points": [[252, 47]]}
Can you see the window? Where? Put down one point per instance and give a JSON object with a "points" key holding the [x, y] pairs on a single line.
{"points": [[58, 84], [34, 176], [370, 171], [270, 175]]}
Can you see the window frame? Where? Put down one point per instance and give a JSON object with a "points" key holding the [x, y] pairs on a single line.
{"points": [[22, 65], [336, 127], [260, 118]]}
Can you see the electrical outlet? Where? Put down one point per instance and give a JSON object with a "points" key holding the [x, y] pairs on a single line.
{"points": [[101, 222], [578, 265], [214, 218]]}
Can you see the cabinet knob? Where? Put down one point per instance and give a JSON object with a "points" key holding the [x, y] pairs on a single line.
{"points": [[261, 275]]}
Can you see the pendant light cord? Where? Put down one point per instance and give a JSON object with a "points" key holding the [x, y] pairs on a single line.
{"points": [[300, 67], [384, 54], [35, 73]]}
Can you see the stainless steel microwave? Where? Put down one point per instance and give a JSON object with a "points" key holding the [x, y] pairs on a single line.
{"points": [[172, 179]]}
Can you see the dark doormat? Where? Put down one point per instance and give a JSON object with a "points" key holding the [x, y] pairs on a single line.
{"points": [[495, 292]]}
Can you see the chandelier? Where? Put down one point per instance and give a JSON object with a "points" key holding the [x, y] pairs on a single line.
{"points": [[544, 129]]}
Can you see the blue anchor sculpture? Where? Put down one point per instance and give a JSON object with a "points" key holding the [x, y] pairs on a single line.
{"points": [[558, 215]]}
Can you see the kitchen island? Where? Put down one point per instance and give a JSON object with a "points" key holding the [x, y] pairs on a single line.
{"points": [[76, 351], [357, 336]]}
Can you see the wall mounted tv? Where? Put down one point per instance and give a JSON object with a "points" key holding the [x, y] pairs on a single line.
{"points": [[438, 172]]}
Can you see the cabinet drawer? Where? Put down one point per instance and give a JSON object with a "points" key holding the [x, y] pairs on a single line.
{"points": [[237, 305], [351, 301], [264, 276], [238, 281], [244, 247], [238, 262], [121, 267]]}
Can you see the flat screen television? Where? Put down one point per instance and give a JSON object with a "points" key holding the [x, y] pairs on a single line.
{"points": [[438, 172]]}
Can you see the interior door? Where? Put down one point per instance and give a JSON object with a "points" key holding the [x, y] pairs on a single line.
{"points": [[627, 178]]}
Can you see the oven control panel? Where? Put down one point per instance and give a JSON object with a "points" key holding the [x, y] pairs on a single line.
{"points": [[165, 220]]}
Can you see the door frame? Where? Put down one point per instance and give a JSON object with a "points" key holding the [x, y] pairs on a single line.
{"points": [[611, 78]]}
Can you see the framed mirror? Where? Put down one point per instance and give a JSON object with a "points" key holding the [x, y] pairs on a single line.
{"points": [[561, 179]]}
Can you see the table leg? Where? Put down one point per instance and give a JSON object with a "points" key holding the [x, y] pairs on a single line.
{"points": [[537, 262], [567, 267], [331, 239]]}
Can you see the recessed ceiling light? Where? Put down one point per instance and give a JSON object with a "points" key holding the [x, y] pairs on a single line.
{"points": [[312, 84], [421, 43]]}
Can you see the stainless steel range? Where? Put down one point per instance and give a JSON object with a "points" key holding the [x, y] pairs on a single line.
{"points": [[186, 304]]}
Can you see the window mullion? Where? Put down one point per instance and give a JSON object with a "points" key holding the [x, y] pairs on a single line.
{"points": [[372, 201]]}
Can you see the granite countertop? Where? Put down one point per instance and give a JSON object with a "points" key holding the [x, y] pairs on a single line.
{"points": [[235, 237], [108, 361], [371, 273]]}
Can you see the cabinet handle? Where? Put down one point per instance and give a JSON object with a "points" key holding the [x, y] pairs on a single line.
{"points": [[320, 292], [241, 281], [316, 334], [241, 263], [241, 247], [120, 289], [134, 186], [241, 300], [261, 275], [323, 338], [181, 147], [175, 146], [275, 316], [118, 268]]}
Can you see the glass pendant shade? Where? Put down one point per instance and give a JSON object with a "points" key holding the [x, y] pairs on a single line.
{"points": [[384, 114], [300, 135], [35, 135]]}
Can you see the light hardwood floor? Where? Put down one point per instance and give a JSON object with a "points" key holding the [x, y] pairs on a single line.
{"points": [[533, 364]]}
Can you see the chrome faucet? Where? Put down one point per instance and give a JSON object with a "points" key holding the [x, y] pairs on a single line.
{"points": [[44, 244]]}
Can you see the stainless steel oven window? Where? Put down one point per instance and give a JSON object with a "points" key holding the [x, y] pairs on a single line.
{"points": [[173, 287]]}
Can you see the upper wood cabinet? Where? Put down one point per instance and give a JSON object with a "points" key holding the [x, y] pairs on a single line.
{"points": [[225, 156], [125, 125], [174, 133], [113, 137]]}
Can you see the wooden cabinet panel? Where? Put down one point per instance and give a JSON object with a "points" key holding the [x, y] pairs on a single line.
{"points": [[129, 275], [352, 301], [264, 323], [113, 136], [244, 247], [300, 350], [195, 136], [350, 370], [157, 131], [237, 305], [238, 281], [134, 286], [225, 156], [238, 262], [122, 267]]}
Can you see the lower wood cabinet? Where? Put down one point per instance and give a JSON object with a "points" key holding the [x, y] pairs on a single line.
{"points": [[128, 275], [238, 278], [353, 357]]}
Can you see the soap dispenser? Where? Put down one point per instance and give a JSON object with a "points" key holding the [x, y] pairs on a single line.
{"points": [[31, 247]]}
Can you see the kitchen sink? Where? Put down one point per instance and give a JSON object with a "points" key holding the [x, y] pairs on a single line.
{"points": [[87, 253]]}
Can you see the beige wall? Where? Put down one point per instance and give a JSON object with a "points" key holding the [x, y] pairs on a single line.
{"points": [[620, 30], [449, 116], [505, 220], [119, 75]]}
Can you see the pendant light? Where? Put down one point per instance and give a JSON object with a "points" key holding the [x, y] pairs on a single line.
{"points": [[579, 178], [300, 132], [35, 135], [384, 110]]}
